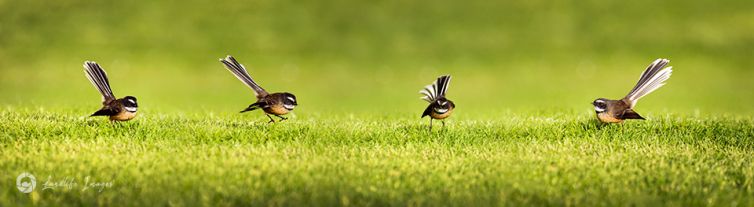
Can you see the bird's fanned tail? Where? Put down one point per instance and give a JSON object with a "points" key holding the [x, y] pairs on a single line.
{"points": [[651, 79], [98, 77], [240, 72], [437, 89]]}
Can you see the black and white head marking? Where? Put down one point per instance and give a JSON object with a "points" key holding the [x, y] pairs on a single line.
{"points": [[130, 104], [289, 101], [600, 105]]}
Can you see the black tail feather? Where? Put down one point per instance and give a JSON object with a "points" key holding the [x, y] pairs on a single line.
{"points": [[631, 114], [240, 72], [252, 107], [104, 112], [99, 79], [442, 84]]}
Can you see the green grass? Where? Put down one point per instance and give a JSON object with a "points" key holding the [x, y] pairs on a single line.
{"points": [[524, 73], [221, 160]]}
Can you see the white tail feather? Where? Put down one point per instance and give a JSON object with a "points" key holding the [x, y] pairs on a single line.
{"points": [[434, 91], [445, 87], [655, 82], [429, 92]]}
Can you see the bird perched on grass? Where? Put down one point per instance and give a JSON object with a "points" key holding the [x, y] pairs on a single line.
{"points": [[277, 104], [439, 106], [616, 111], [122, 109]]}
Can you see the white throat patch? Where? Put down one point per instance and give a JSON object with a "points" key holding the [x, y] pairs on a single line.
{"points": [[130, 109], [289, 107]]}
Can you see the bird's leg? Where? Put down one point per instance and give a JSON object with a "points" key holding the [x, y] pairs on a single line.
{"points": [[443, 123], [430, 124], [271, 120], [281, 118]]}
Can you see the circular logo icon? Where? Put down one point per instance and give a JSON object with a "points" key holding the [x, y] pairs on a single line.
{"points": [[25, 182]]}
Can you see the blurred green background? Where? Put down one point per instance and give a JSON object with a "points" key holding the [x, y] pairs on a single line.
{"points": [[372, 57]]}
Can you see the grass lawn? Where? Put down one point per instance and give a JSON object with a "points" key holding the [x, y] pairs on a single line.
{"points": [[557, 159]]}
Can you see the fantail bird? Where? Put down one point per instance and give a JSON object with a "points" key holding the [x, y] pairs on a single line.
{"points": [[439, 106], [123, 109], [615, 111], [272, 103]]}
